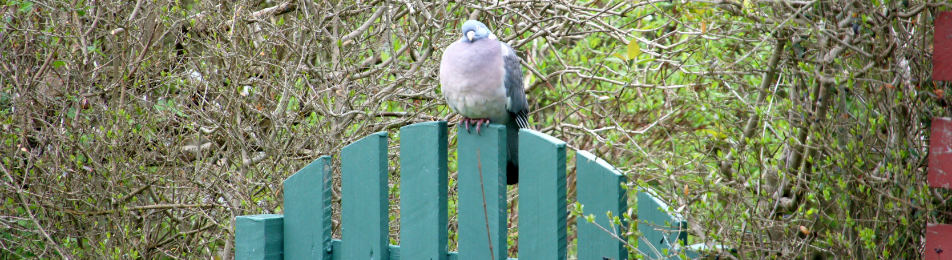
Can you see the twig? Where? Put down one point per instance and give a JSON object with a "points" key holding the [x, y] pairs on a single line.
{"points": [[773, 32], [615, 236], [148, 45], [365, 26], [135, 11], [136, 192], [275, 10], [489, 237], [147, 207], [727, 163], [26, 206], [46, 64]]}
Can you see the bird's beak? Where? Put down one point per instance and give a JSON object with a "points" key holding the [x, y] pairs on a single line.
{"points": [[470, 34]]}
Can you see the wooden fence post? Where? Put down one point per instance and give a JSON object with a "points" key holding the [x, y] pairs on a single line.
{"points": [[482, 159], [365, 203], [542, 197], [599, 190], [423, 182], [307, 212], [938, 235], [259, 237], [661, 232]]}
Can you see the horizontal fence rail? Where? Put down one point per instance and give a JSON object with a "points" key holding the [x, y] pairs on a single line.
{"points": [[304, 230]]}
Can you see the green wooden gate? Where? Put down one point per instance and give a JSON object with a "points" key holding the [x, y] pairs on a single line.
{"points": [[304, 231]]}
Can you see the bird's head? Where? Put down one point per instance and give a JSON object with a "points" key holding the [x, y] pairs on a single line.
{"points": [[474, 30]]}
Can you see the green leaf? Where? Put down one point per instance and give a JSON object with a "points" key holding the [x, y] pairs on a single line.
{"points": [[714, 133], [25, 7], [633, 49], [616, 60]]}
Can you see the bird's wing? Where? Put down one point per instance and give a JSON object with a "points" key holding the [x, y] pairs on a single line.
{"points": [[516, 103]]}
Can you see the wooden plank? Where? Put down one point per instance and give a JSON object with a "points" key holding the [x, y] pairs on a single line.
{"points": [[599, 192], [395, 252], [942, 47], [482, 154], [337, 253], [423, 182], [365, 203], [307, 211], [259, 237], [940, 153], [663, 234], [455, 256], [542, 197], [938, 242]]}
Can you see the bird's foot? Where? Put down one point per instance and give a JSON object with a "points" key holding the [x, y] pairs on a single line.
{"points": [[465, 122], [478, 122]]}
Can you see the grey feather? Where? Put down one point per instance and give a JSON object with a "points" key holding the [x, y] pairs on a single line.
{"points": [[518, 106]]}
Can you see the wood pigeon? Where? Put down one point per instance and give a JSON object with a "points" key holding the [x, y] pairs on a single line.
{"points": [[481, 79]]}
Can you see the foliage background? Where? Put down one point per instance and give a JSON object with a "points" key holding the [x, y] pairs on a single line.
{"points": [[780, 128]]}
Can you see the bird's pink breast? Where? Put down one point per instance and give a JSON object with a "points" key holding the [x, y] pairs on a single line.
{"points": [[471, 78]]}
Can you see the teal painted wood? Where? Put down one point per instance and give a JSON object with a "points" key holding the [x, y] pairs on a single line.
{"points": [[663, 234], [455, 256], [365, 203], [337, 253], [423, 181], [599, 191], [542, 198], [307, 211], [259, 237], [394, 252], [490, 148]]}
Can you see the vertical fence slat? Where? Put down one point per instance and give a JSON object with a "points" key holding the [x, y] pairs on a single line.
{"points": [[542, 209], [660, 231], [599, 191], [423, 230], [337, 253], [259, 237], [942, 47], [307, 211], [490, 148], [940, 150], [365, 203], [939, 236], [395, 252]]}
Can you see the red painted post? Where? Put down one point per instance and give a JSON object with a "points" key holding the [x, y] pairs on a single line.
{"points": [[940, 153], [939, 236], [938, 242], [942, 47]]}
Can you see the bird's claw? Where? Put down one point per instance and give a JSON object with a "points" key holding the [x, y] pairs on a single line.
{"points": [[478, 122]]}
